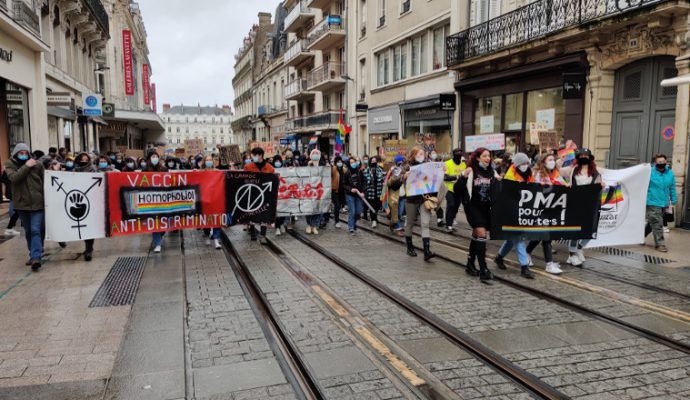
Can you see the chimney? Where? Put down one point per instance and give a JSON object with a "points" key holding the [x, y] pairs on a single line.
{"points": [[226, 109], [166, 107], [264, 19]]}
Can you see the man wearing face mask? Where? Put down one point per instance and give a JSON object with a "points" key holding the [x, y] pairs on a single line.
{"points": [[660, 194], [520, 171], [258, 164], [26, 179], [454, 168]]}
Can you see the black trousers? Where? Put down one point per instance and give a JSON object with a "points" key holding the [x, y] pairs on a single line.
{"points": [[546, 245], [376, 205], [452, 207]]}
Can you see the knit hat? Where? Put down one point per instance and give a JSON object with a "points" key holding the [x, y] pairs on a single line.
{"points": [[520, 159], [20, 147], [399, 158]]}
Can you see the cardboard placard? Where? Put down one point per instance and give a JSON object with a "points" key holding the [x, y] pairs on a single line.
{"points": [[548, 139], [194, 146], [393, 148]]}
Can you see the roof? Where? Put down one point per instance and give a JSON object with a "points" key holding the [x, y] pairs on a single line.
{"points": [[198, 110]]}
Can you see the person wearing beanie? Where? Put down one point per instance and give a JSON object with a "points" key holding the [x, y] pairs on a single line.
{"points": [[258, 164], [520, 171], [26, 178]]}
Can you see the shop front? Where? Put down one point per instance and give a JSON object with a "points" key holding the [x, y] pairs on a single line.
{"points": [[428, 126], [383, 124], [536, 107]]}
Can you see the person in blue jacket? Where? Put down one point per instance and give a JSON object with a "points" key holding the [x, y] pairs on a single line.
{"points": [[661, 194]]}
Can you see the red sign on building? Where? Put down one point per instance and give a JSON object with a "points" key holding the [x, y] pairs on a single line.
{"points": [[145, 83], [153, 97], [127, 55]]}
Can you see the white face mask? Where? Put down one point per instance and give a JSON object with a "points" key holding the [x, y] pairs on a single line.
{"points": [[523, 168], [551, 164], [419, 159]]}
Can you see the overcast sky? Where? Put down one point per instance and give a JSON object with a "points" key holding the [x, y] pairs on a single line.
{"points": [[192, 46]]}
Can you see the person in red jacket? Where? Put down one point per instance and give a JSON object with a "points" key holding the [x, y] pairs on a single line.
{"points": [[258, 164]]}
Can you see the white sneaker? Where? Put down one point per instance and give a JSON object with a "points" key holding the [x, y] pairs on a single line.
{"points": [[581, 255], [574, 260], [208, 242], [553, 268], [373, 224], [157, 249], [314, 231], [666, 230], [11, 232], [308, 229], [216, 243], [338, 225], [450, 229], [530, 263], [278, 233], [282, 228], [439, 220]]}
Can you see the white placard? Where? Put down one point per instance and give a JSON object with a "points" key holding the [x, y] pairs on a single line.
{"points": [[486, 124], [622, 218], [74, 205], [547, 117], [304, 191], [424, 179], [493, 142]]}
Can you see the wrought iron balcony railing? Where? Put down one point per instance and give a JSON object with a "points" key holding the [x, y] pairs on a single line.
{"points": [[535, 20], [98, 11], [26, 15]]}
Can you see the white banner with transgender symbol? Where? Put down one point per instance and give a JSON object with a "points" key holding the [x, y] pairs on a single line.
{"points": [[75, 205]]}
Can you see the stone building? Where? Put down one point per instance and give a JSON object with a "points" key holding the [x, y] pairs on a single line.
{"points": [[242, 87], [212, 124]]}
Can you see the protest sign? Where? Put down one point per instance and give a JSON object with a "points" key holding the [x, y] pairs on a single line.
{"points": [[424, 179], [493, 142], [304, 191], [526, 211], [393, 148], [251, 197], [194, 146], [548, 140], [623, 206], [224, 155], [74, 205], [143, 202], [268, 148]]}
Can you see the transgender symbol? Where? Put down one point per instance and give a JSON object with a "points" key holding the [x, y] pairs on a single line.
{"points": [[250, 197], [77, 204]]}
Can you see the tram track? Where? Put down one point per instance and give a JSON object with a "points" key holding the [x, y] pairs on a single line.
{"points": [[588, 312]]}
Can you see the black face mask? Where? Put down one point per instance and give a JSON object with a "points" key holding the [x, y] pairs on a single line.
{"points": [[661, 167], [457, 158], [583, 161], [82, 163], [372, 164]]}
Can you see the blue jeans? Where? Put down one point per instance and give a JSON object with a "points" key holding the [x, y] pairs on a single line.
{"points": [[157, 238], [520, 248], [34, 229], [575, 245], [314, 220], [401, 208], [354, 210], [215, 233]]}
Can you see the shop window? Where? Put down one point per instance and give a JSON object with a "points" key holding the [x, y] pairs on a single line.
{"points": [[17, 101], [513, 112], [430, 134], [487, 115], [545, 111]]}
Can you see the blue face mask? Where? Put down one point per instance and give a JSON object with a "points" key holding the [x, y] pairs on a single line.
{"points": [[143, 164], [154, 160], [112, 157], [209, 164], [366, 162], [315, 158], [102, 165], [130, 165], [278, 164], [346, 159], [247, 161], [69, 164], [23, 157], [355, 165]]}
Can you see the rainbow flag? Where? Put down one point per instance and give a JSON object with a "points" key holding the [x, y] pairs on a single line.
{"points": [[313, 140], [568, 156], [612, 195], [343, 128]]}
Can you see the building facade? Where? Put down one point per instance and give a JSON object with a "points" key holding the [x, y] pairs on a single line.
{"points": [[22, 77], [212, 124], [590, 71], [242, 86]]}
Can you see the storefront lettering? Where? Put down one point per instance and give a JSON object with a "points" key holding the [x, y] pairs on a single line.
{"points": [[6, 55], [383, 119]]}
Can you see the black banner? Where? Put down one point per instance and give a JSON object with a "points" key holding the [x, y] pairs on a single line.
{"points": [[527, 211], [251, 197]]}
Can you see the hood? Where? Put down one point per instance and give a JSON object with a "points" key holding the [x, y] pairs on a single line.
{"points": [[20, 147], [83, 154]]}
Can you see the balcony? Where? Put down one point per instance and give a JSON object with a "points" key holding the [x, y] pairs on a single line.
{"points": [[298, 17], [320, 4], [294, 125], [241, 123], [327, 34], [297, 53], [533, 21], [261, 111], [326, 77], [25, 15], [297, 90], [322, 120], [100, 15]]}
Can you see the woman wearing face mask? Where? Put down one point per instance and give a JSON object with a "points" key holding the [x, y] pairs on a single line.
{"points": [[258, 164], [475, 186], [69, 164], [353, 185], [338, 171], [210, 165], [584, 172], [546, 173], [129, 165], [314, 221], [520, 171], [85, 164], [103, 164], [373, 186], [660, 194], [171, 163], [141, 164], [415, 206], [392, 185], [118, 164], [281, 222], [154, 164], [401, 163]]}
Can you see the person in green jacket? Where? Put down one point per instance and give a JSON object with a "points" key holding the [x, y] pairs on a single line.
{"points": [[660, 194], [26, 178]]}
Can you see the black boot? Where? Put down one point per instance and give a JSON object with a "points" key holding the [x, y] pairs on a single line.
{"points": [[428, 255], [526, 273], [252, 232], [485, 274], [470, 269], [410, 247], [499, 262]]}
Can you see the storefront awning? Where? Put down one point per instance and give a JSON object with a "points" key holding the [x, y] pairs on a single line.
{"points": [[98, 120], [141, 119], [62, 113], [677, 81]]}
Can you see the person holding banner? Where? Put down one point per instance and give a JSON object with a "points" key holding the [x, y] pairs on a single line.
{"points": [[153, 164], [475, 185], [584, 172], [415, 206], [258, 164], [520, 171], [84, 164], [661, 193], [314, 221], [546, 173], [353, 183], [209, 165], [338, 171], [373, 186]]}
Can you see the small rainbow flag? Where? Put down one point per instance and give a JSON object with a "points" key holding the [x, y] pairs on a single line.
{"points": [[612, 195], [510, 228], [568, 156], [313, 140]]}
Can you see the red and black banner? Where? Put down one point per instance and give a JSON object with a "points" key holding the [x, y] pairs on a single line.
{"points": [[251, 197]]}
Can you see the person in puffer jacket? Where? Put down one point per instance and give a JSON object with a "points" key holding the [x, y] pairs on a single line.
{"points": [[660, 194]]}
